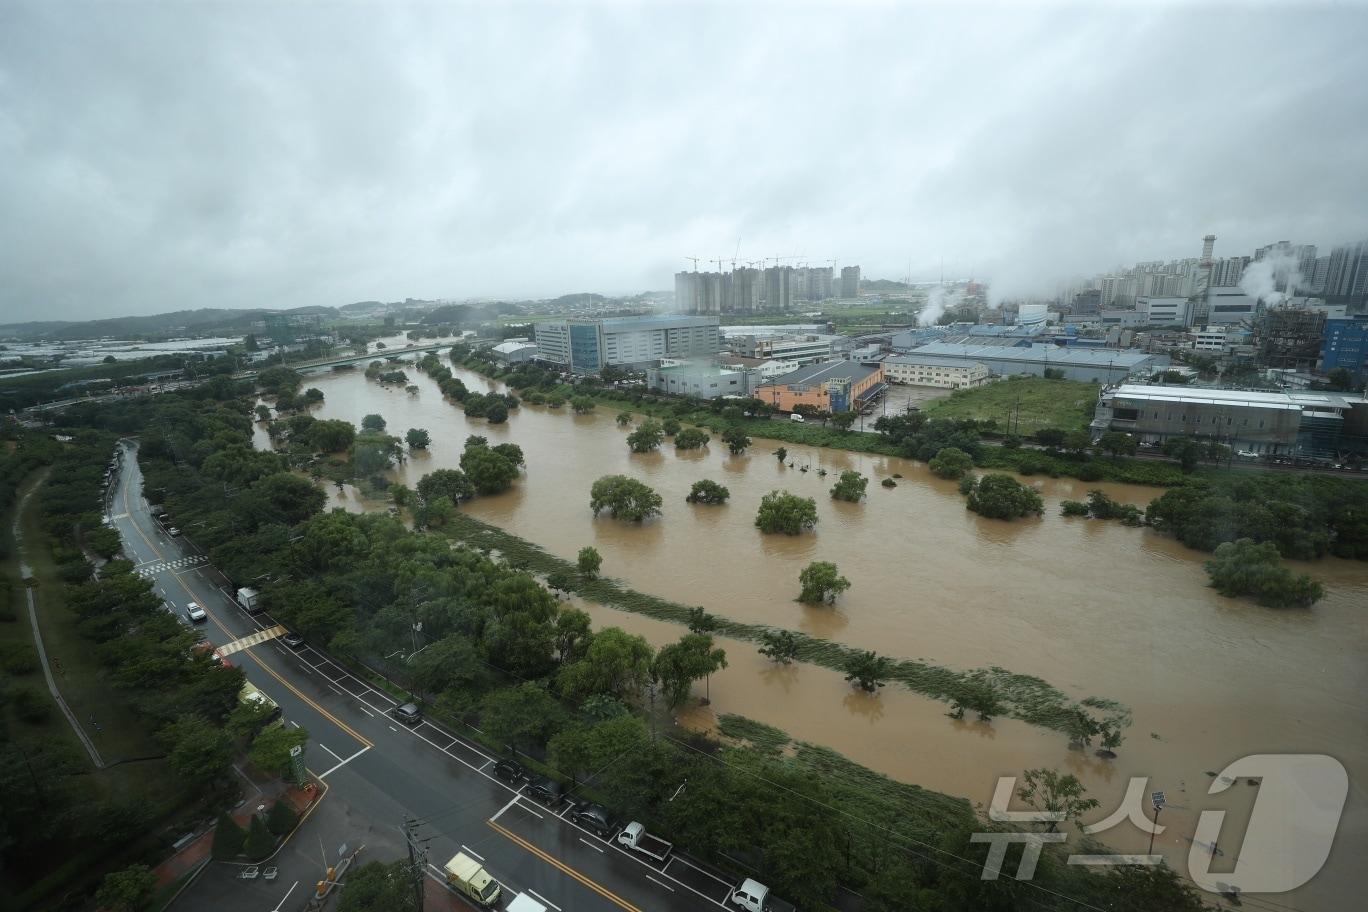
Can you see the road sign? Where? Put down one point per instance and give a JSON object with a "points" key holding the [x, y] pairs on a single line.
{"points": [[1158, 799]]}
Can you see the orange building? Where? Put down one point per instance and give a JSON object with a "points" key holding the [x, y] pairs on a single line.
{"points": [[835, 386]]}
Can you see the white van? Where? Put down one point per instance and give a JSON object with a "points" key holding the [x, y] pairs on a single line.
{"points": [[796, 417]]}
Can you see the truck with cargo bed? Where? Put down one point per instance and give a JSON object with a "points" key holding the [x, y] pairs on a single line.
{"points": [[249, 599], [634, 836], [469, 878], [753, 896]]}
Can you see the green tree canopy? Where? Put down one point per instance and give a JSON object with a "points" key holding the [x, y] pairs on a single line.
{"points": [[691, 439], [418, 438], [129, 890], [524, 715], [626, 498], [821, 583], [707, 492], [449, 483], [647, 437], [679, 664], [589, 561], [951, 462], [488, 471], [850, 487], [1244, 568], [617, 663], [373, 422], [1003, 497], [786, 513], [270, 750]]}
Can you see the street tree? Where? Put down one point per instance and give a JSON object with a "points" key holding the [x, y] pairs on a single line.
{"points": [[259, 843], [868, 671], [200, 753], [1059, 796], [789, 514], [450, 664], [616, 663], [378, 887], [850, 487], [228, 838], [281, 818], [574, 633], [418, 438], [523, 715], [625, 498], [270, 750], [843, 420], [1118, 443], [707, 492], [129, 890], [588, 562], [821, 583]]}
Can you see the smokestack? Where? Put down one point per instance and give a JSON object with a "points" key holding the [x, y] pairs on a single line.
{"points": [[1208, 244]]}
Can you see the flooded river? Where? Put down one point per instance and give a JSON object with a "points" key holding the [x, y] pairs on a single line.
{"points": [[1094, 608]]}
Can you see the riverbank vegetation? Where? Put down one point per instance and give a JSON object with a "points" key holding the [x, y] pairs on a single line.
{"points": [[1244, 568], [1022, 405]]}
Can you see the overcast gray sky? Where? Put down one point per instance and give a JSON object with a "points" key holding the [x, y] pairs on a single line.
{"points": [[159, 156]]}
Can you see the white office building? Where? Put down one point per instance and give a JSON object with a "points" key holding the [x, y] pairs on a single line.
{"points": [[1164, 311], [933, 370]]}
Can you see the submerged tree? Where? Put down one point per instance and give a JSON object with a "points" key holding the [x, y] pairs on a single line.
{"points": [[821, 583]]}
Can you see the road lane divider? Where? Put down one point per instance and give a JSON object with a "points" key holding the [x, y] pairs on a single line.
{"points": [[564, 868]]}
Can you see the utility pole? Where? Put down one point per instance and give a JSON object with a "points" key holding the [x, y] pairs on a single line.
{"points": [[417, 860]]}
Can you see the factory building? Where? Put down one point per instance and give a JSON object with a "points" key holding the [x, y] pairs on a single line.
{"points": [[933, 370], [836, 386], [1105, 365], [587, 346], [1322, 424]]}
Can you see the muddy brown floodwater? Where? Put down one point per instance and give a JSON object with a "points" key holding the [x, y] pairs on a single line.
{"points": [[1095, 608]]}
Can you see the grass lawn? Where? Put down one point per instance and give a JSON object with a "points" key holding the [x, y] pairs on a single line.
{"points": [[1066, 404]]}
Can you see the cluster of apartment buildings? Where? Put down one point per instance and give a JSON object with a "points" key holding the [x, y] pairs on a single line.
{"points": [[751, 289]]}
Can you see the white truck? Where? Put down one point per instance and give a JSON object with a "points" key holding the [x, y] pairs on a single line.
{"points": [[469, 878], [250, 600], [753, 896], [634, 836]]}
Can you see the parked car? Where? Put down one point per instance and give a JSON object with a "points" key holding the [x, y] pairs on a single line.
{"points": [[293, 640], [546, 790], [509, 771], [595, 818], [409, 714], [195, 613], [173, 532]]}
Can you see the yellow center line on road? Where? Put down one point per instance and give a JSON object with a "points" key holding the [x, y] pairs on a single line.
{"points": [[360, 739], [134, 522], [564, 868]]}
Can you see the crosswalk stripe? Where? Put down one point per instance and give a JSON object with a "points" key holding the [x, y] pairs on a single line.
{"points": [[252, 639]]}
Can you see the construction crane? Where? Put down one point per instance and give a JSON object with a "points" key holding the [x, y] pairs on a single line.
{"points": [[695, 262]]}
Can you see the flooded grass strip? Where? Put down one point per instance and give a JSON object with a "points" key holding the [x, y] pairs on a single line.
{"points": [[1025, 697], [914, 811]]}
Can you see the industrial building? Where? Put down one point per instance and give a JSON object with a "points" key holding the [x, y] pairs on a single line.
{"points": [[1106, 365], [1290, 337], [933, 370], [1164, 311], [837, 386], [514, 351], [807, 348], [1230, 305], [587, 346], [1324, 424], [1345, 344], [699, 380]]}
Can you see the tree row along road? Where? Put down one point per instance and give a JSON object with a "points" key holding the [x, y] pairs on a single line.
{"points": [[386, 770]]}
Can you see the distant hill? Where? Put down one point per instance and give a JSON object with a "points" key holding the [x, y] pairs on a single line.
{"points": [[883, 285], [360, 305], [574, 300], [174, 323]]}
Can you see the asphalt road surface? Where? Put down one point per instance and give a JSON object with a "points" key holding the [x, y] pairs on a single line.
{"points": [[386, 770]]}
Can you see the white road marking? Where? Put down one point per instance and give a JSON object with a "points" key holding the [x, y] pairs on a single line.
{"points": [[659, 884], [469, 851], [591, 845], [336, 689], [530, 811], [504, 808], [366, 711], [336, 755], [343, 763], [532, 892], [393, 729], [285, 897]]}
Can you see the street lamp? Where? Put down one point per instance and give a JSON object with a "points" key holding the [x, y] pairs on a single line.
{"points": [[1158, 799]]}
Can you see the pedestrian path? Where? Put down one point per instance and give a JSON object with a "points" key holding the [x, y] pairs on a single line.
{"points": [[156, 568], [252, 639]]}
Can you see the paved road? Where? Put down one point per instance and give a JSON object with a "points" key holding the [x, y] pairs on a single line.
{"points": [[385, 770]]}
